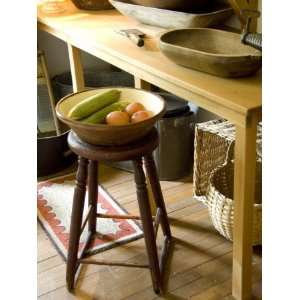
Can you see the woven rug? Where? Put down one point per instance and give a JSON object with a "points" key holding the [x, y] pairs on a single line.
{"points": [[54, 206]]}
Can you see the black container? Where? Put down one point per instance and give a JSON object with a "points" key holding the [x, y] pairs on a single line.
{"points": [[53, 154], [174, 155]]}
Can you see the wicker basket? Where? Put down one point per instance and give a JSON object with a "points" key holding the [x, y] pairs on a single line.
{"points": [[92, 4], [214, 146], [221, 205], [213, 174]]}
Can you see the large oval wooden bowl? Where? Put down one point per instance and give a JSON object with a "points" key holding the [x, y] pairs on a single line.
{"points": [[102, 134], [212, 51], [171, 4]]}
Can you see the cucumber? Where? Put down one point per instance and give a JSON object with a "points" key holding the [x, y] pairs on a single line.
{"points": [[99, 116], [93, 104]]}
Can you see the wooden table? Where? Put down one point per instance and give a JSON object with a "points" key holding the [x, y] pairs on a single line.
{"points": [[238, 100]]}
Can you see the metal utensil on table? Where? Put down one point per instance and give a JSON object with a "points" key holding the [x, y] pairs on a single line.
{"points": [[251, 39], [135, 35]]}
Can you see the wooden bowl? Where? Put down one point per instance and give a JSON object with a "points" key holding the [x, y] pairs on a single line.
{"points": [[92, 4], [171, 4], [214, 14], [212, 51], [102, 134]]}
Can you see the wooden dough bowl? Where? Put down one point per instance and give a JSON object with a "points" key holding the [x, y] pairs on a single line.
{"points": [[103, 134], [171, 4], [213, 51], [214, 14]]}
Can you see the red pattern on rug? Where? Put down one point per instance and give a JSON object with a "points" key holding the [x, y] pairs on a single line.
{"points": [[129, 229]]}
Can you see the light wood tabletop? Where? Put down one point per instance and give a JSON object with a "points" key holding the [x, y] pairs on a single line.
{"points": [[97, 34], [238, 100]]}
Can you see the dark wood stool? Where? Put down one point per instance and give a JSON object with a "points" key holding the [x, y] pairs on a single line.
{"points": [[87, 174]]}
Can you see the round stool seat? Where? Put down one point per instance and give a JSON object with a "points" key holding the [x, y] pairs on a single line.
{"points": [[131, 151]]}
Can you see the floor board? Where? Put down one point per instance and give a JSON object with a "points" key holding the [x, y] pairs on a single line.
{"points": [[200, 265]]}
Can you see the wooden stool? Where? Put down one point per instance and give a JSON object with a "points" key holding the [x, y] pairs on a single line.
{"points": [[90, 155]]}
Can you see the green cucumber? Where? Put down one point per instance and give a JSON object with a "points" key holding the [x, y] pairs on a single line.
{"points": [[93, 104], [99, 116]]}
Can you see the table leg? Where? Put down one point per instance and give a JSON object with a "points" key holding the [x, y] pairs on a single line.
{"points": [[244, 185], [141, 84], [41, 56], [76, 68]]}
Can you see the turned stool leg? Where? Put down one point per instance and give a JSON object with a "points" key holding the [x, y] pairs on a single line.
{"points": [[93, 194], [146, 218], [76, 220], [157, 193]]}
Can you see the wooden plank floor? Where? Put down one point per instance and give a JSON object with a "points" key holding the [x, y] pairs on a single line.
{"points": [[200, 265]]}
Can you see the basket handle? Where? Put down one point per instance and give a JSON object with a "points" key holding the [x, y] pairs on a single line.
{"points": [[230, 152], [229, 158]]}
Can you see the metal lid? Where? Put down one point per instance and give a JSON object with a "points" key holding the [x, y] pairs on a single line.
{"points": [[175, 105]]}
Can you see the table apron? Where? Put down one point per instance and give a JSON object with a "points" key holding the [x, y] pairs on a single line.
{"points": [[236, 117]]}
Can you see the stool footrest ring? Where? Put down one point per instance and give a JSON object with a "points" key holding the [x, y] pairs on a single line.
{"points": [[157, 221], [134, 217], [164, 255], [162, 259], [86, 219], [87, 243], [111, 263]]}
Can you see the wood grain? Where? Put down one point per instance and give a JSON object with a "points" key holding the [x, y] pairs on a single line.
{"points": [[238, 5], [244, 190], [213, 51], [237, 100], [214, 14], [232, 98], [201, 263], [76, 68]]}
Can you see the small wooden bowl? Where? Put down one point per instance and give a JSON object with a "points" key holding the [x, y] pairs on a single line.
{"points": [[102, 134]]}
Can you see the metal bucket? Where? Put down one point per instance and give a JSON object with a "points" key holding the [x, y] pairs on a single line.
{"points": [[53, 154], [174, 155]]}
